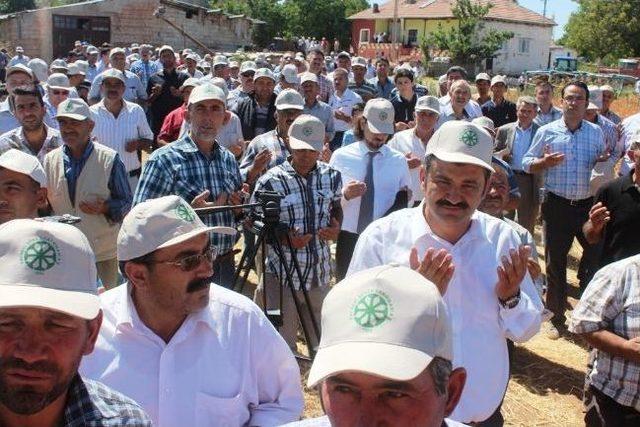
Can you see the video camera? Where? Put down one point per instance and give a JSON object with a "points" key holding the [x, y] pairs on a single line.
{"points": [[267, 207]]}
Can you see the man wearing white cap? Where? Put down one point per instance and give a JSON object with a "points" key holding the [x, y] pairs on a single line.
{"points": [[33, 136], [163, 88], [476, 261], [198, 169], [88, 180], [359, 84], [288, 79], [608, 96], [483, 84], [247, 71], [310, 89], [375, 178], [191, 63], [413, 142], [49, 320], [341, 102], [134, 91], [120, 124], [58, 89], [499, 109], [312, 212], [23, 186], [190, 352], [221, 69], [144, 67], [256, 112], [19, 58], [94, 67], [603, 171], [173, 125], [386, 353]]}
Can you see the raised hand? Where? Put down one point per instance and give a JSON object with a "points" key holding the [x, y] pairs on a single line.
{"points": [[512, 272], [435, 266]]}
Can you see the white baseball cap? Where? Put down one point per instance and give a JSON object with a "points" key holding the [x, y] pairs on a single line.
{"points": [[159, 223], [47, 265], [74, 108], [498, 79], [264, 72], [234, 64], [21, 162], [306, 133], [74, 70], [58, 81], [19, 68], [387, 321], [486, 123], [380, 114], [221, 83], [220, 60], [113, 73], [607, 88], [290, 74], [39, 68], [482, 76], [190, 82], [308, 77], [19, 49], [59, 64], [358, 61], [344, 54], [166, 47], [92, 50], [289, 99], [206, 92], [428, 103], [115, 51], [458, 141], [248, 66]]}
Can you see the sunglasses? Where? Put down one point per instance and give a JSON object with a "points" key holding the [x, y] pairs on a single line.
{"points": [[191, 262]]}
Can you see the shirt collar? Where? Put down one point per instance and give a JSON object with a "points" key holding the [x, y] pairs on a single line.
{"points": [[87, 151], [188, 145], [420, 227]]}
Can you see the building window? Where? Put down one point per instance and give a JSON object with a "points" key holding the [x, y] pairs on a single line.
{"points": [[412, 38], [524, 45], [364, 35]]}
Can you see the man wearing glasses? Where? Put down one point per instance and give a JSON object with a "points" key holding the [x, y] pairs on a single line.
{"points": [[191, 353], [566, 151]]}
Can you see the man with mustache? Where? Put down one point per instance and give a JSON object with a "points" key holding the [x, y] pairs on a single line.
{"points": [[477, 262], [33, 136], [88, 180], [121, 125], [23, 186], [190, 352], [49, 320]]}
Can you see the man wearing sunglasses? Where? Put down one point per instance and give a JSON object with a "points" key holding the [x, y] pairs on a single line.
{"points": [[190, 352]]}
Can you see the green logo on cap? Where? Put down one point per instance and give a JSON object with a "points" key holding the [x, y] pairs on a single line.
{"points": [[469, 138], [185, 213], [383, 116], [307, 130], [40, 255], [69, 107], [372, 309]]}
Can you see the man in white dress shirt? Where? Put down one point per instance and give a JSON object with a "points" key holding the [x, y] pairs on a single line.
{"points": [[476, 260], [190, 352]]}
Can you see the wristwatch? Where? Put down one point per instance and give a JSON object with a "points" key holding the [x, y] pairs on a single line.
{"points": [[510, 302]]}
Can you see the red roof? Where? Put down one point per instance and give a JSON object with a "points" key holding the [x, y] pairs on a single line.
{"points": [[502, 10]]}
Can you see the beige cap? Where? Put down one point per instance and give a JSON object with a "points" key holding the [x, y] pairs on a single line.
{"points": [[289, 99], [159, 223], [191, 82], [458, 141], [428, 103], [166, 47], [205, 92], [308, 77], [115, 51], [358, 61], [486, 123], [290, 74], [59, 64], [482, 76], [113, 73], [306, 133], [498, 79], [222, 84], [248, 66], [58, 81], [21, 162], [220, 60], [47, 265], [343, 54], [74, 69], [39, 68], [264, 72], [234, 64], [387, 321], [74, 108], [19, 68], [380, 114]]}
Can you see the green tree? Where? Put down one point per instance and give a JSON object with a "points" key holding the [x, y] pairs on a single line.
{"points": [[467, 40], [10, 6], [604, 29]]}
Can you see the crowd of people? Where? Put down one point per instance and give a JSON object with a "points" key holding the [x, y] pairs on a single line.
{"points": [[117, 301]]}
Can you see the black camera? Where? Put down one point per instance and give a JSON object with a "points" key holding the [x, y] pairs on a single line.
{"points": [[269, 209]]}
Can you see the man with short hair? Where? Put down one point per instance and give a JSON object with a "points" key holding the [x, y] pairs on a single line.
{"points": [[565, 151], [188, 350], [608, 96], [134, 91], [457, 107], [23, 186], [513, 140], [144, 67], [173, 126], [312, 213], [58, 89], [381, 369], [547, 112], [221, 69], [413, 142], [316, 58], [404, 101], [381, 81], [288, 79], [94, 67], [603, 172], [455, 73], [33, 136], [359, 84], [256, 111], [310, 89], [191, 62], [19, 58], [247, 71], [49, 321], [483, 84], [476, 261], [88, 180], [341, 102], [198, 169], [499, 109], [121, 125]]}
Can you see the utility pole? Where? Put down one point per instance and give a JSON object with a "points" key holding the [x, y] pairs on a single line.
{"points": [[544, 10], [394, 29]]}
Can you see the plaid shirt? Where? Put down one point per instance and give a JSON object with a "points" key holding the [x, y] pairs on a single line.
{"points": [[306, 206], [570, 179], [613, 117], [267, 141], [92, 404], [15, 139], [326, 87], [545, 118], [611, 302], [181, 169]]}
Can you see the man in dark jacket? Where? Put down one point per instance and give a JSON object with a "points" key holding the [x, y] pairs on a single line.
{"points": [[256, 111]]}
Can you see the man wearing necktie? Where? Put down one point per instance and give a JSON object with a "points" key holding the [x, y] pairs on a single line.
{"points": [[375, 178]]}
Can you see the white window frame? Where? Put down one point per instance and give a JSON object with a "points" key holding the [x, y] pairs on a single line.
{"points": [[524, 45], [368, 33]]}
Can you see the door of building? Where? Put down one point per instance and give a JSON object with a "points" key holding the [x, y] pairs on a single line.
{"points": [[67, 29]]}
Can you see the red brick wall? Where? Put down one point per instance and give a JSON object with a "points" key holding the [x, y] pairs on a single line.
{"points": [[356, 26]]}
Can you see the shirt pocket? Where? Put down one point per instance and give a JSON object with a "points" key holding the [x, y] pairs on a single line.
{"points": [[323, 200], [213, 411]]}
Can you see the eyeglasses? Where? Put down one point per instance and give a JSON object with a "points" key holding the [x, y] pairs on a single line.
{"points": [[191, 262], [571, 99], [60, 92]]}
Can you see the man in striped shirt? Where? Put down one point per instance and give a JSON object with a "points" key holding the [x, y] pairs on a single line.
{"points": [[121, 125], [311, 210]]}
